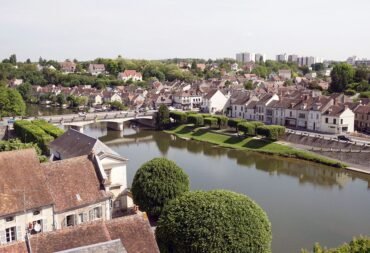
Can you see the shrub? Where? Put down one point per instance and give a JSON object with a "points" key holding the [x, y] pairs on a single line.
{"points": [[359, 245], [48, 128], [196, 119], [210, 121], [16, 144], [271, 132], [179, 117], [247, 128], [162, 119], [350, 92], [256, 123], [233, 123], [214, 221], [29, 132], [157, 182], [221, 121]]}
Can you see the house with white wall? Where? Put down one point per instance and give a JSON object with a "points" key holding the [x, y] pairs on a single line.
{"points": [[338, 119], [130, 75], [214, 101], [263, 112]]}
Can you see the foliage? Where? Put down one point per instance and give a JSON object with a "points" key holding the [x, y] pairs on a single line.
{"points": [[221, 121], [25, 90], [350, 92], [210, 121], [271, 132], [117, 105], [11, 102], [357, 245], [214, 221], [157, 182], [196, 119], [48, 128], [233, 123], [163, 117], [247, 128], [248, 85], [365, 94], [362, 74], [29, 132], [15, 144], [341, 75], [61, 99], [179, 117]]}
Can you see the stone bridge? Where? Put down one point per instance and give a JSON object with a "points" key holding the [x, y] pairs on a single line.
{"points": [[114, 119]]}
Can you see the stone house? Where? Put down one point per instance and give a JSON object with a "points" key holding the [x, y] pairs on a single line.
{"points": [[96, 69]]}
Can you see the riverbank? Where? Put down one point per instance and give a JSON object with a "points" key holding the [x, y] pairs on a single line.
{"points": [[250, 144]]}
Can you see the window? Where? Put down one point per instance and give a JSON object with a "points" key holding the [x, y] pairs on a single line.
{"points": [[37, 212], [70, 220], [95, 213], [37, 227], [302, 116], [317, 116], [10, 234], [334, 121], [290, 113], [341, 121], [9, 219], [82, 217], [326, 120]]}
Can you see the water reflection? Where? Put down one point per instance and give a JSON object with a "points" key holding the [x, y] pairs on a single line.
{"points": [[305, 172]]}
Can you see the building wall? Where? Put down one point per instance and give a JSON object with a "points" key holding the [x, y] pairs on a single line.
{"points": [[86, 212], [22, 220], [217, 102]]}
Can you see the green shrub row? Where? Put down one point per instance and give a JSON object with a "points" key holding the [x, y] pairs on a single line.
{"points": [[29, 132], [211, 122], [179, 117], [16, 144], [271, 132], [48, 128], [196, 119], [247, 128], [233, 123]]}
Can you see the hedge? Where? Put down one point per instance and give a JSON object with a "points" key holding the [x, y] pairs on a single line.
{"points": [[234, 123], [210, 121], [179, 117], [256, 123], [247, 128], [221, 120], [48, 128], [157, 182], [271, 132], [196, 119], [29, 132], [16, 144], [214, 221]]}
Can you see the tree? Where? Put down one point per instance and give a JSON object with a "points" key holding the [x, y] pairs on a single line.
{"points": [[248, 85], [13, 59], [117, 105], [25, 90], [163, 117], [11, 102], [156, 183], [214, 221], [341, 75], [361, 73], [357, 245], [61, 99]]}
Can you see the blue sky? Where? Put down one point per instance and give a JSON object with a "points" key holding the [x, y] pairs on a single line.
{"points": [[157, 29]]}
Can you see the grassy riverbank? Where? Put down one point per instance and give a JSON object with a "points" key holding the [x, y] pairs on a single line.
{"points": [[249, 143]]}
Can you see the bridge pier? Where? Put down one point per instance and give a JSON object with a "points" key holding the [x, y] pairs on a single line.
{"points": [[117, 126], [78, 128]]}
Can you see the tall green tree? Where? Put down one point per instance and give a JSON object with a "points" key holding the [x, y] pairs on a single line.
{"points": [[11, 102], [163, 117], [25, 90], [361, 74], [341, 75]]}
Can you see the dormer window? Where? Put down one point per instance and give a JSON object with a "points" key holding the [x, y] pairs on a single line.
{"points": [[37, 212], [9, 219]]}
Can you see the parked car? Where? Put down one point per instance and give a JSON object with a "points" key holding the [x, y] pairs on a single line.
{"points": [[343, 138]]}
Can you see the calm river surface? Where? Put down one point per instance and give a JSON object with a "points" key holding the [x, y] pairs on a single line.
{"points": [[306, 203]]}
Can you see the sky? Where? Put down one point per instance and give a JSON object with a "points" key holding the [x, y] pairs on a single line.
{"points": [[159, 29]]}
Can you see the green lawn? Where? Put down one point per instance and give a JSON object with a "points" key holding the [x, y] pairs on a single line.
{"points": [[249, 143]]}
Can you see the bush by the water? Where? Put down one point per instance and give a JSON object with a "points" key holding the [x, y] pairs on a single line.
{"points": [[179, 117], [48, 128], [247, 128], [157, 182], [196, 119], [29, 132], [271, 132], [233, 123], [214, 221], [210, 121]]}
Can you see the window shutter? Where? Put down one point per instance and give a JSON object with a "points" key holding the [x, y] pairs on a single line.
{"points": [[75, 220], [64, 223], [2, 237], [91, 213], [44, 225], [18, 233]]}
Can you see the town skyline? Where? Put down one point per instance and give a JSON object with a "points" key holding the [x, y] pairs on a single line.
{"points": [[165, 29]]}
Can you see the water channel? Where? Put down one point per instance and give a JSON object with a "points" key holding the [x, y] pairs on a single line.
{"points": [[305, 202]]}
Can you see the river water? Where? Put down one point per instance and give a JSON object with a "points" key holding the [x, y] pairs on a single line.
{"points": [[305, 202]]}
